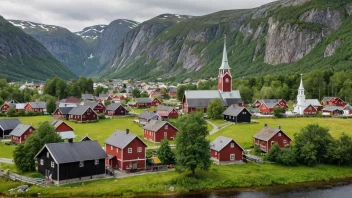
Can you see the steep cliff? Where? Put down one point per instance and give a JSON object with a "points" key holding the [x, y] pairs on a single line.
{"points": [[24, 58], [284, 36]]}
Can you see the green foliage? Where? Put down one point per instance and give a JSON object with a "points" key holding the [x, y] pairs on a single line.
{"points": [[192, 149], [273, 153], [51, 106], [11, 112], [101, 116], [278, 112], [180, 92], [24, 153], [215, 109], [165, 153], [100, 90], [340, 152], [136, 93], [311, 145], [107, 102], [144, 94], [287, 156]]}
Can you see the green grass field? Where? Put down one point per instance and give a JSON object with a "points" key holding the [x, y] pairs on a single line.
{"points": [[247, 175], [243, 133]]}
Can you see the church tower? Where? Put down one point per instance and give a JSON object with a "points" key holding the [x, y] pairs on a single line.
{"points": [[301, 98], [224, 78]]}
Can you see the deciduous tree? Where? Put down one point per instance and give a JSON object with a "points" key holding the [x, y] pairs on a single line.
{"points": [[165, 153]]}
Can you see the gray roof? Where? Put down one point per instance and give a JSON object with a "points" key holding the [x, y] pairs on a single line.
{"points": [[143, 100], [333, 108], [270, 104], [313, 102], [267, 132], [38, 105], [62, 104], [164, 108], [85, 138], [234, 110], [9, 124], [67, 135], [113, 106], [155, 125], [172, 89], [147, 115], [327, 99], [56, 123], [347, 107], [219, 143], [75, 152], [20, 129], [20, 105], [201, 98], [121, 139], [91, 104], [104, 95], [65, 110], [88, 97], [80, 110]]}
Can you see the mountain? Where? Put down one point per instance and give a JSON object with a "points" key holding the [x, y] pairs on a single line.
{"points": [[67, 47], [24, 58], [91, 34], [281, 37]]}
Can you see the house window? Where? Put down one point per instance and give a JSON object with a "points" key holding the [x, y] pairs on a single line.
{"points": [[96, 162], [166, 126], [117, 150], [232, 145], [121, 111], [139, 150], [25, 136], [52, 164], [47, 154], [83, 116], [232, 157], [216, 153], [41, 162], [279, 134], [165, 134], [30, 130], [285, 141], [81, 164], [111, 147], [93, 115], [272, 142], [129, 150]]}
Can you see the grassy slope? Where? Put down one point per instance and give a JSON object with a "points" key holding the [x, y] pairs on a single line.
{"points": [[242, 133]]}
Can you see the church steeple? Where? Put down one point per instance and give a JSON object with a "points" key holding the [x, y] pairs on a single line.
{"points": [[301, 98], [301, 85], [224, 78]]}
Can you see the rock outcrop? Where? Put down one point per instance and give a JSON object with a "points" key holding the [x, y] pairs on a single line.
{"points": [[331, 48], [328, 17]]}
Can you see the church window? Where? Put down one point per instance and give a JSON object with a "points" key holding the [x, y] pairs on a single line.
{"points": [[227, 80]]}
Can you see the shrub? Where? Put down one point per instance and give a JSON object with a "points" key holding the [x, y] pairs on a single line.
{"points": [[21, 113], [273, 153], [30, 113], [287, 156], [11, 112], [101, 116]]}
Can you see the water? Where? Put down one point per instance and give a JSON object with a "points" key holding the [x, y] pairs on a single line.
{"points": [[336, 190]]}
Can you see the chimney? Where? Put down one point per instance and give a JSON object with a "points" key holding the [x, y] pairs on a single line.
{"points": [[279, 127], [127, 131], [265, 125]]}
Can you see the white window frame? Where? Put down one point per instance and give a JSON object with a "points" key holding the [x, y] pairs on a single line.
{"points": [[96, 161], [41, 162], [232, 157], [232, 145], [285, 141], [139, 149], [129, 150], [111, 147], [30, 130], [272, 142], [117, 150], [81, 164], [47, 155], [166, 127], [279, 134], [216, 153], [165, 134], [52, 164]]}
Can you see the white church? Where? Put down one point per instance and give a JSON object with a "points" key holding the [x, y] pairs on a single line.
{"points": [[306, 106]]}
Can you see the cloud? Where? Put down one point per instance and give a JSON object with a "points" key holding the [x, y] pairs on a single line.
{"points": [[77, 14]]}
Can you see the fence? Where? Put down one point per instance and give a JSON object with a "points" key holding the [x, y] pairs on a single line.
{"points": [[17, 177]]}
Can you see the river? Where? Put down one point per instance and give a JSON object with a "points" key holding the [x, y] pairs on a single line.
{"points": [[318, 190]]}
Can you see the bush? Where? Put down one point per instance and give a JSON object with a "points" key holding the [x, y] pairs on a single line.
{"points": [[257, 150], [287, 156], [30, 113], [273, 153], [11, 112], [101, 116], [21, 113]]}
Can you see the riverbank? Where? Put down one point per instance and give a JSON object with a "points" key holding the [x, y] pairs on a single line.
{"points": [[218, 177]]}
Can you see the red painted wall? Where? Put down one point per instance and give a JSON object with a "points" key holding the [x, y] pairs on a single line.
{"points": [[28, 107], [310, 110], [100, 108], [159, 135], [63, 127], [24, 136], [89, 115], [156, 102], [256, 104], [224, 154], [173, 114], [227, 85], [5, 107], [118, 112]]}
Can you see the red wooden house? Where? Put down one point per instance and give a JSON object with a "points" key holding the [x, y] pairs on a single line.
{"points": [[71, 99], [281, 102], [125, 151], [224, 149], [333, 101], [268, 108], [116, 109], [21, 133], [147, 102], [63, 129], [83, 114], [166, 112], [172, 91], [38, 107], [156, 131], [333, 110], [62, 112], [268, 136], [310, 110], [6, 106], [98, 107]]}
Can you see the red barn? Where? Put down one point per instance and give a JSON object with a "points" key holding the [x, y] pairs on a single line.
{"points": [[166, 112], [21, 133], [38, 107], [98, 107], [125, 151], [63, 129], [268, 108], [116, 109], [83, 114], [310, 110], [334, 101], [156, 131], [6, 106], [334, 110], [268, 136], [224, 149]]}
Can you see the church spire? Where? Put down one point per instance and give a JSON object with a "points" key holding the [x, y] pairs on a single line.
{"points": [[301, 85], [225, 63]]}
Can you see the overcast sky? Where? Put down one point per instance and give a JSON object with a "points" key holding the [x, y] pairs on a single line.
{"points": [[77, 14]]}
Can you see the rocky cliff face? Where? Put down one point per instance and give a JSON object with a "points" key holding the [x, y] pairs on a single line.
{"points": [[24, 58]]}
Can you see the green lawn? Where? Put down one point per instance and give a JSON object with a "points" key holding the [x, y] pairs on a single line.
{"points": [[218, 122], [247, 175], [6, 150], [243, 133]]}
